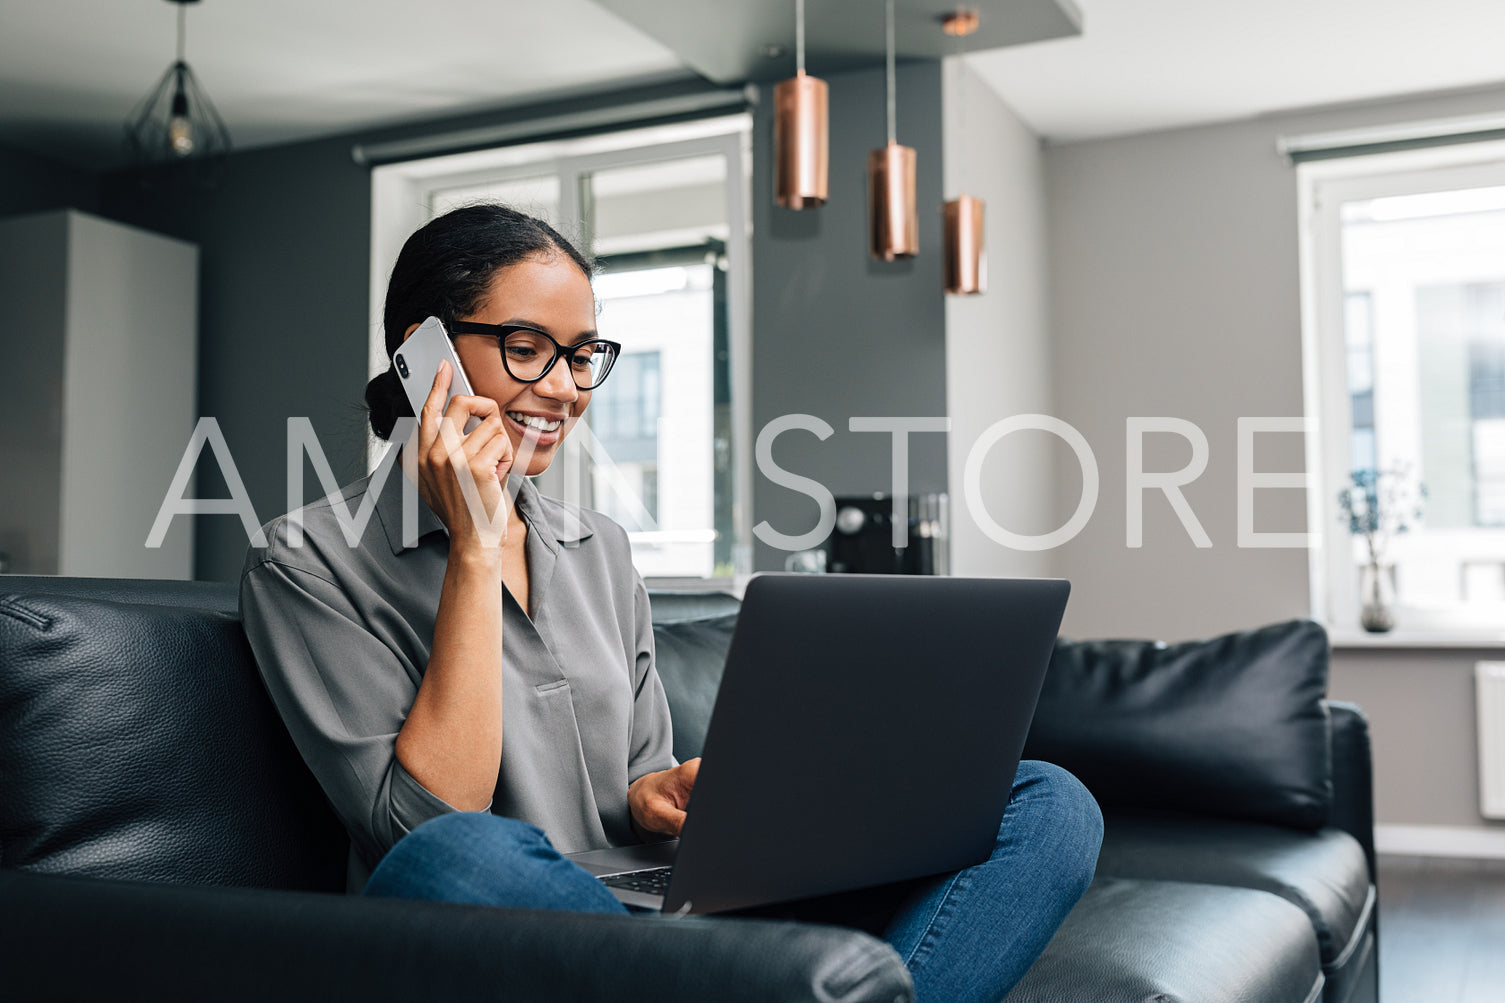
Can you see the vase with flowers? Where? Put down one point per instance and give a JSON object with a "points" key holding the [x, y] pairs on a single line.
{"points": [[1379, 505]]}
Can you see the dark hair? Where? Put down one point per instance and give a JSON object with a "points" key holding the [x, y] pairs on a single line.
{"points": [[445, 270]]}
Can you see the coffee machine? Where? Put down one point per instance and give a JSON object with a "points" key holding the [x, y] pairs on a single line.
{"points": [[863, 538]]}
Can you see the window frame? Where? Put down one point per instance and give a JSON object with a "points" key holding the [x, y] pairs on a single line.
{"points": [[1324, 185]]}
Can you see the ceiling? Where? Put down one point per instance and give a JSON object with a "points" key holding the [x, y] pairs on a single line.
{"points": [[1142, 65], [280, 70]]}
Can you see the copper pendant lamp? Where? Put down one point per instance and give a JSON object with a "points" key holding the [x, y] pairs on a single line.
{"points": [[966, 263], [893, 216], [966, 259], [801, 136]]}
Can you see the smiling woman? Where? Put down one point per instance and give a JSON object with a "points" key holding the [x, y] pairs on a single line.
{"points": [[387, 659], [512, 360]]}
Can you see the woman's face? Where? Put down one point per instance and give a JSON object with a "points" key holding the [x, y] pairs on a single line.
{"points": [[552, 295]]}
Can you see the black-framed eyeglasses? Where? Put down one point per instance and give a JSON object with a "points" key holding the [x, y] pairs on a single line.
{"points": [[528, 354]]}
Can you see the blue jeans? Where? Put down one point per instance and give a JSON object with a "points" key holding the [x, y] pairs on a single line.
{"points": [[964, 936]]}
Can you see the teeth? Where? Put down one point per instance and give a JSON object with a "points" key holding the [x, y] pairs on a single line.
{"points": [[533, 421]]}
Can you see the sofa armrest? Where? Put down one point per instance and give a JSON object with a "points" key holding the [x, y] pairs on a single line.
{"points": [[1353, 776], [72, 938]]}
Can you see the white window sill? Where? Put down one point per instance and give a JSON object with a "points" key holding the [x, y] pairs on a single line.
{"points": [[1481, 638]]}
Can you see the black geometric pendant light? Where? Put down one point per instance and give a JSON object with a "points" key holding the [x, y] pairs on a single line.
{"points": [[176, 124]]}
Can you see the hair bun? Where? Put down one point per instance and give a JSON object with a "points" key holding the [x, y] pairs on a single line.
{"points": [[386, 401]]}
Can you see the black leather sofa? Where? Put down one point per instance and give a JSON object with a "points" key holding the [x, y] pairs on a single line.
{"points": [[161, 839]]}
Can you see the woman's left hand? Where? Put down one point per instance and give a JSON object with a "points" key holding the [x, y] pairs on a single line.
{"points": [[658, 800]]}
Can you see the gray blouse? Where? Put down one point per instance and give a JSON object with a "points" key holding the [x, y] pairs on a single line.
{"points": [[342, 632]]}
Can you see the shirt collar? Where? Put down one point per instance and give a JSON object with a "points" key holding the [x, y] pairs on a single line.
{"points": [[553, 521]]}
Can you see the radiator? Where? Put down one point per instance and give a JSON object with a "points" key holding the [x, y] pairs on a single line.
{"points": [[1489, 679]]}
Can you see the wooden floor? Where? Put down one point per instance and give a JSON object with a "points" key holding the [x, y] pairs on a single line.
{"points": [[1442, 930]]}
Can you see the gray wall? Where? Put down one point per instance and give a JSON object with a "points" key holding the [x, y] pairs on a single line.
{"points": [[998, 352], [836, 334], [1425, 725], [29, 183], [1175, 291], [284, 285]]}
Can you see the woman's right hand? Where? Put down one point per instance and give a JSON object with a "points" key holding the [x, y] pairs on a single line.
{"points": [[460, 475]]}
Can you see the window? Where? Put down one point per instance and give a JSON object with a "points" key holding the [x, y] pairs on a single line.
{"points": [[663, 210], [1406, 285], [626, 424]]}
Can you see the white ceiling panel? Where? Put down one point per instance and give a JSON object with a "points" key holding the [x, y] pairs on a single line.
{"points": [[1142, 65]]}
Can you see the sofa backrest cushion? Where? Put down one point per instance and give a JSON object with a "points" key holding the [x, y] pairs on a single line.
{"points": [[675, 604], [223, 597], [137, 742], [1233, 726], [690, 656]]}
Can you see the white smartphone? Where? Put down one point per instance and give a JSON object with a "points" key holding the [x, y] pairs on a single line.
{"points": [[417, 362]]}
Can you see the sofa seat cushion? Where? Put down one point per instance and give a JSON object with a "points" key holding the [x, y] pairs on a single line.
{"points": [[1324, 874], [1175, 942]]}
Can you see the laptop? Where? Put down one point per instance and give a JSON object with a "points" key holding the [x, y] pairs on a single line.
{"points": [[866, 731]]}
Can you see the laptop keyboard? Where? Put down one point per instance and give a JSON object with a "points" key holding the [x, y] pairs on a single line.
{"points": [[652, 881]]}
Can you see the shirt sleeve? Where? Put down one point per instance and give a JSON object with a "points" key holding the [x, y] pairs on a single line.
{"points": [[652, 739], [343, 695]]}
